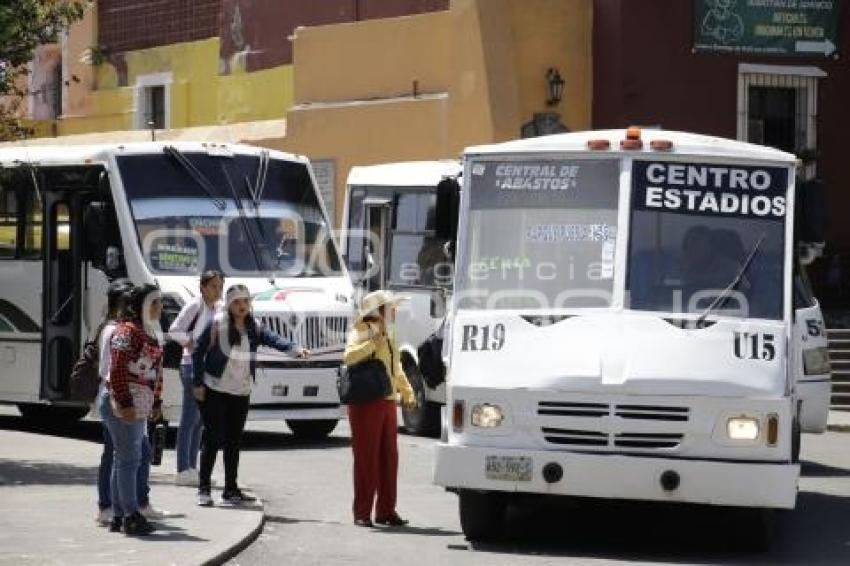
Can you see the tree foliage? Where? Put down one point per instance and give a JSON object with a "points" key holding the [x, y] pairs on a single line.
{"points": [[24, 25]]}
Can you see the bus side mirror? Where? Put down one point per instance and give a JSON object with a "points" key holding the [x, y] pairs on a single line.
{"points": [[448, 206], [94, 227], [811, 212], [102, 237]]}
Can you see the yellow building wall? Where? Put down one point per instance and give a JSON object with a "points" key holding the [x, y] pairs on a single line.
{"points": [[556, 33], [198, 94], [405, 129], [487, 59], [479, 70], [373, 59]]}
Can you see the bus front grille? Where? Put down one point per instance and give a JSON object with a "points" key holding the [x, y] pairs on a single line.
{"points": [[589, 425], [309, 331]]}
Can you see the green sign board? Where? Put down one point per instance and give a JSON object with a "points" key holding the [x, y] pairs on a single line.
{"points": [[805, 28]]}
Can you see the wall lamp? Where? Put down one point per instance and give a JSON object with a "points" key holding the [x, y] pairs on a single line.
{"points": [[555, 86]]}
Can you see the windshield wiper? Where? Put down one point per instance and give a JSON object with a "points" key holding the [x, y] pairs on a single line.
{"points": [[195, 174], [721, 298], [252, 243], [262, 174]]}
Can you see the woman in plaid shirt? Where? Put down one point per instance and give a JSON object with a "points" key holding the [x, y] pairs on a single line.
{"points": [[132, 394]]}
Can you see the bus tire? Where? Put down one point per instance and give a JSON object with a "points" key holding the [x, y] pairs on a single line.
{"points": [[424, 420], [482, 514], [51, 415], [311, 429]]}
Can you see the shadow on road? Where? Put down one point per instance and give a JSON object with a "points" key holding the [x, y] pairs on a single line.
{"points": [[80, 430], [817, 532], [263, 440], [252, 440], [818, 470], [24, 473]]}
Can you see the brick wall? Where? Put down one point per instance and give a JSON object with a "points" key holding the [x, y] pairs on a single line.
{"points": [[127, 25]]}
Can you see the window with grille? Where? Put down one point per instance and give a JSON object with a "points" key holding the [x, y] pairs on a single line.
{"points": [[778, 106]]}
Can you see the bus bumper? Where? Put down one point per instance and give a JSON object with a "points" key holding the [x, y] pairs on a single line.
{"points": [[769, 484], [307, 393]]}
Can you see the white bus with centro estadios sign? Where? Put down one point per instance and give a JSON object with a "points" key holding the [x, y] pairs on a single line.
{"points": [[629, 321]]}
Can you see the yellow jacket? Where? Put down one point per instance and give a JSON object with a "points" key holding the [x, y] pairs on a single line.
{"points": [[361, 347]]}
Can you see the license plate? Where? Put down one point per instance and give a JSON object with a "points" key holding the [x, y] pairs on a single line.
{"points": [[510, 468]]}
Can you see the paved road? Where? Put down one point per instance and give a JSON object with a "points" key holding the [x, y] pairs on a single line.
{"points": [[308, 493], [307, 489]]}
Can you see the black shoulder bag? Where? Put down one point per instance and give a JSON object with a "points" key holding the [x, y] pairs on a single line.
{"points": [[172, 350], [363, 382]]}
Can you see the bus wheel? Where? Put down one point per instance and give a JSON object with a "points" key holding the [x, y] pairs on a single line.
{"points": [[482, 514], [424, 420], [311, 430], [50, 415]]}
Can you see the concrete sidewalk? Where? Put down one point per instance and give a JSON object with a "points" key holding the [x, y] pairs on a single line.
{"points": [[48, 504]]}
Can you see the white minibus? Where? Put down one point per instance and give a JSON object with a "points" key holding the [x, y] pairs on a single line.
{"points": [[390, 242], [629, 321], [73, 218]]}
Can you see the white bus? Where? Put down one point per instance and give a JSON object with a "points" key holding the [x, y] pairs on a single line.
{"points": [[390, 242], [72, 218], [629, 322]]}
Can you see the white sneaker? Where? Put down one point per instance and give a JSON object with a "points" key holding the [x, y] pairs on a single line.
{"points": [[104, 517], [188, 477], [205, 499], [150, 512]]}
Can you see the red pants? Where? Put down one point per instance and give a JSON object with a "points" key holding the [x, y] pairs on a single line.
{"points": [[374, 428]]}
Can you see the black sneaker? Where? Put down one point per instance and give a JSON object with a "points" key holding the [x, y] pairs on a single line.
{"points": [[137, 525], [237, 496], [116, 524]]}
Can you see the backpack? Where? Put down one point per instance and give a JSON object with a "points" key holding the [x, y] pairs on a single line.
{"points": [[172, 351], [431, 364], [84, 382]]}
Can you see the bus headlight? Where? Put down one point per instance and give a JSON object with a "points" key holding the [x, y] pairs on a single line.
{"points": [[485, 415], [742, 428], [816, 361]]}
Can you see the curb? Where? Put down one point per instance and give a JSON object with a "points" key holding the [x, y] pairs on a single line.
{"points": [[244, 543]]}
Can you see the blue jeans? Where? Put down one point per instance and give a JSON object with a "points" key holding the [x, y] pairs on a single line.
{"points": [[128, 439], [189, 433], [104, 473]]}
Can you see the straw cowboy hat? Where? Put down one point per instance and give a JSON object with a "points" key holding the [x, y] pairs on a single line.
{"points": [[376, 299]]}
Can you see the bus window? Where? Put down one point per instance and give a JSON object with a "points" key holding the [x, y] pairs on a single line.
{"points": [[63, 228], [33, 221], [417, 255], [356, 241], [8, 218]]}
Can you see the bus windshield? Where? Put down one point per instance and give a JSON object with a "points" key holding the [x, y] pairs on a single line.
{"points": [[707, 237], [184, 227], [541, 234]]}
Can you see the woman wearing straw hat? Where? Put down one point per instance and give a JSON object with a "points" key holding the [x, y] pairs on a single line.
{"points": [[374, 423]]}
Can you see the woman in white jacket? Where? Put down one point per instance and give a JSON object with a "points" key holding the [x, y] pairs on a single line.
{"points": [[185, 330]]}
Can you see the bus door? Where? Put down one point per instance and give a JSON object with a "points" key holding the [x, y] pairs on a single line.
{"points": [[62, 283], [378, 227]]}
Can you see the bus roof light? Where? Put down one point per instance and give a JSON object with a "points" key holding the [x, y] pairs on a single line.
{"points": [[598, 145], [631, 144], [661, 145], [633, 133]]}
